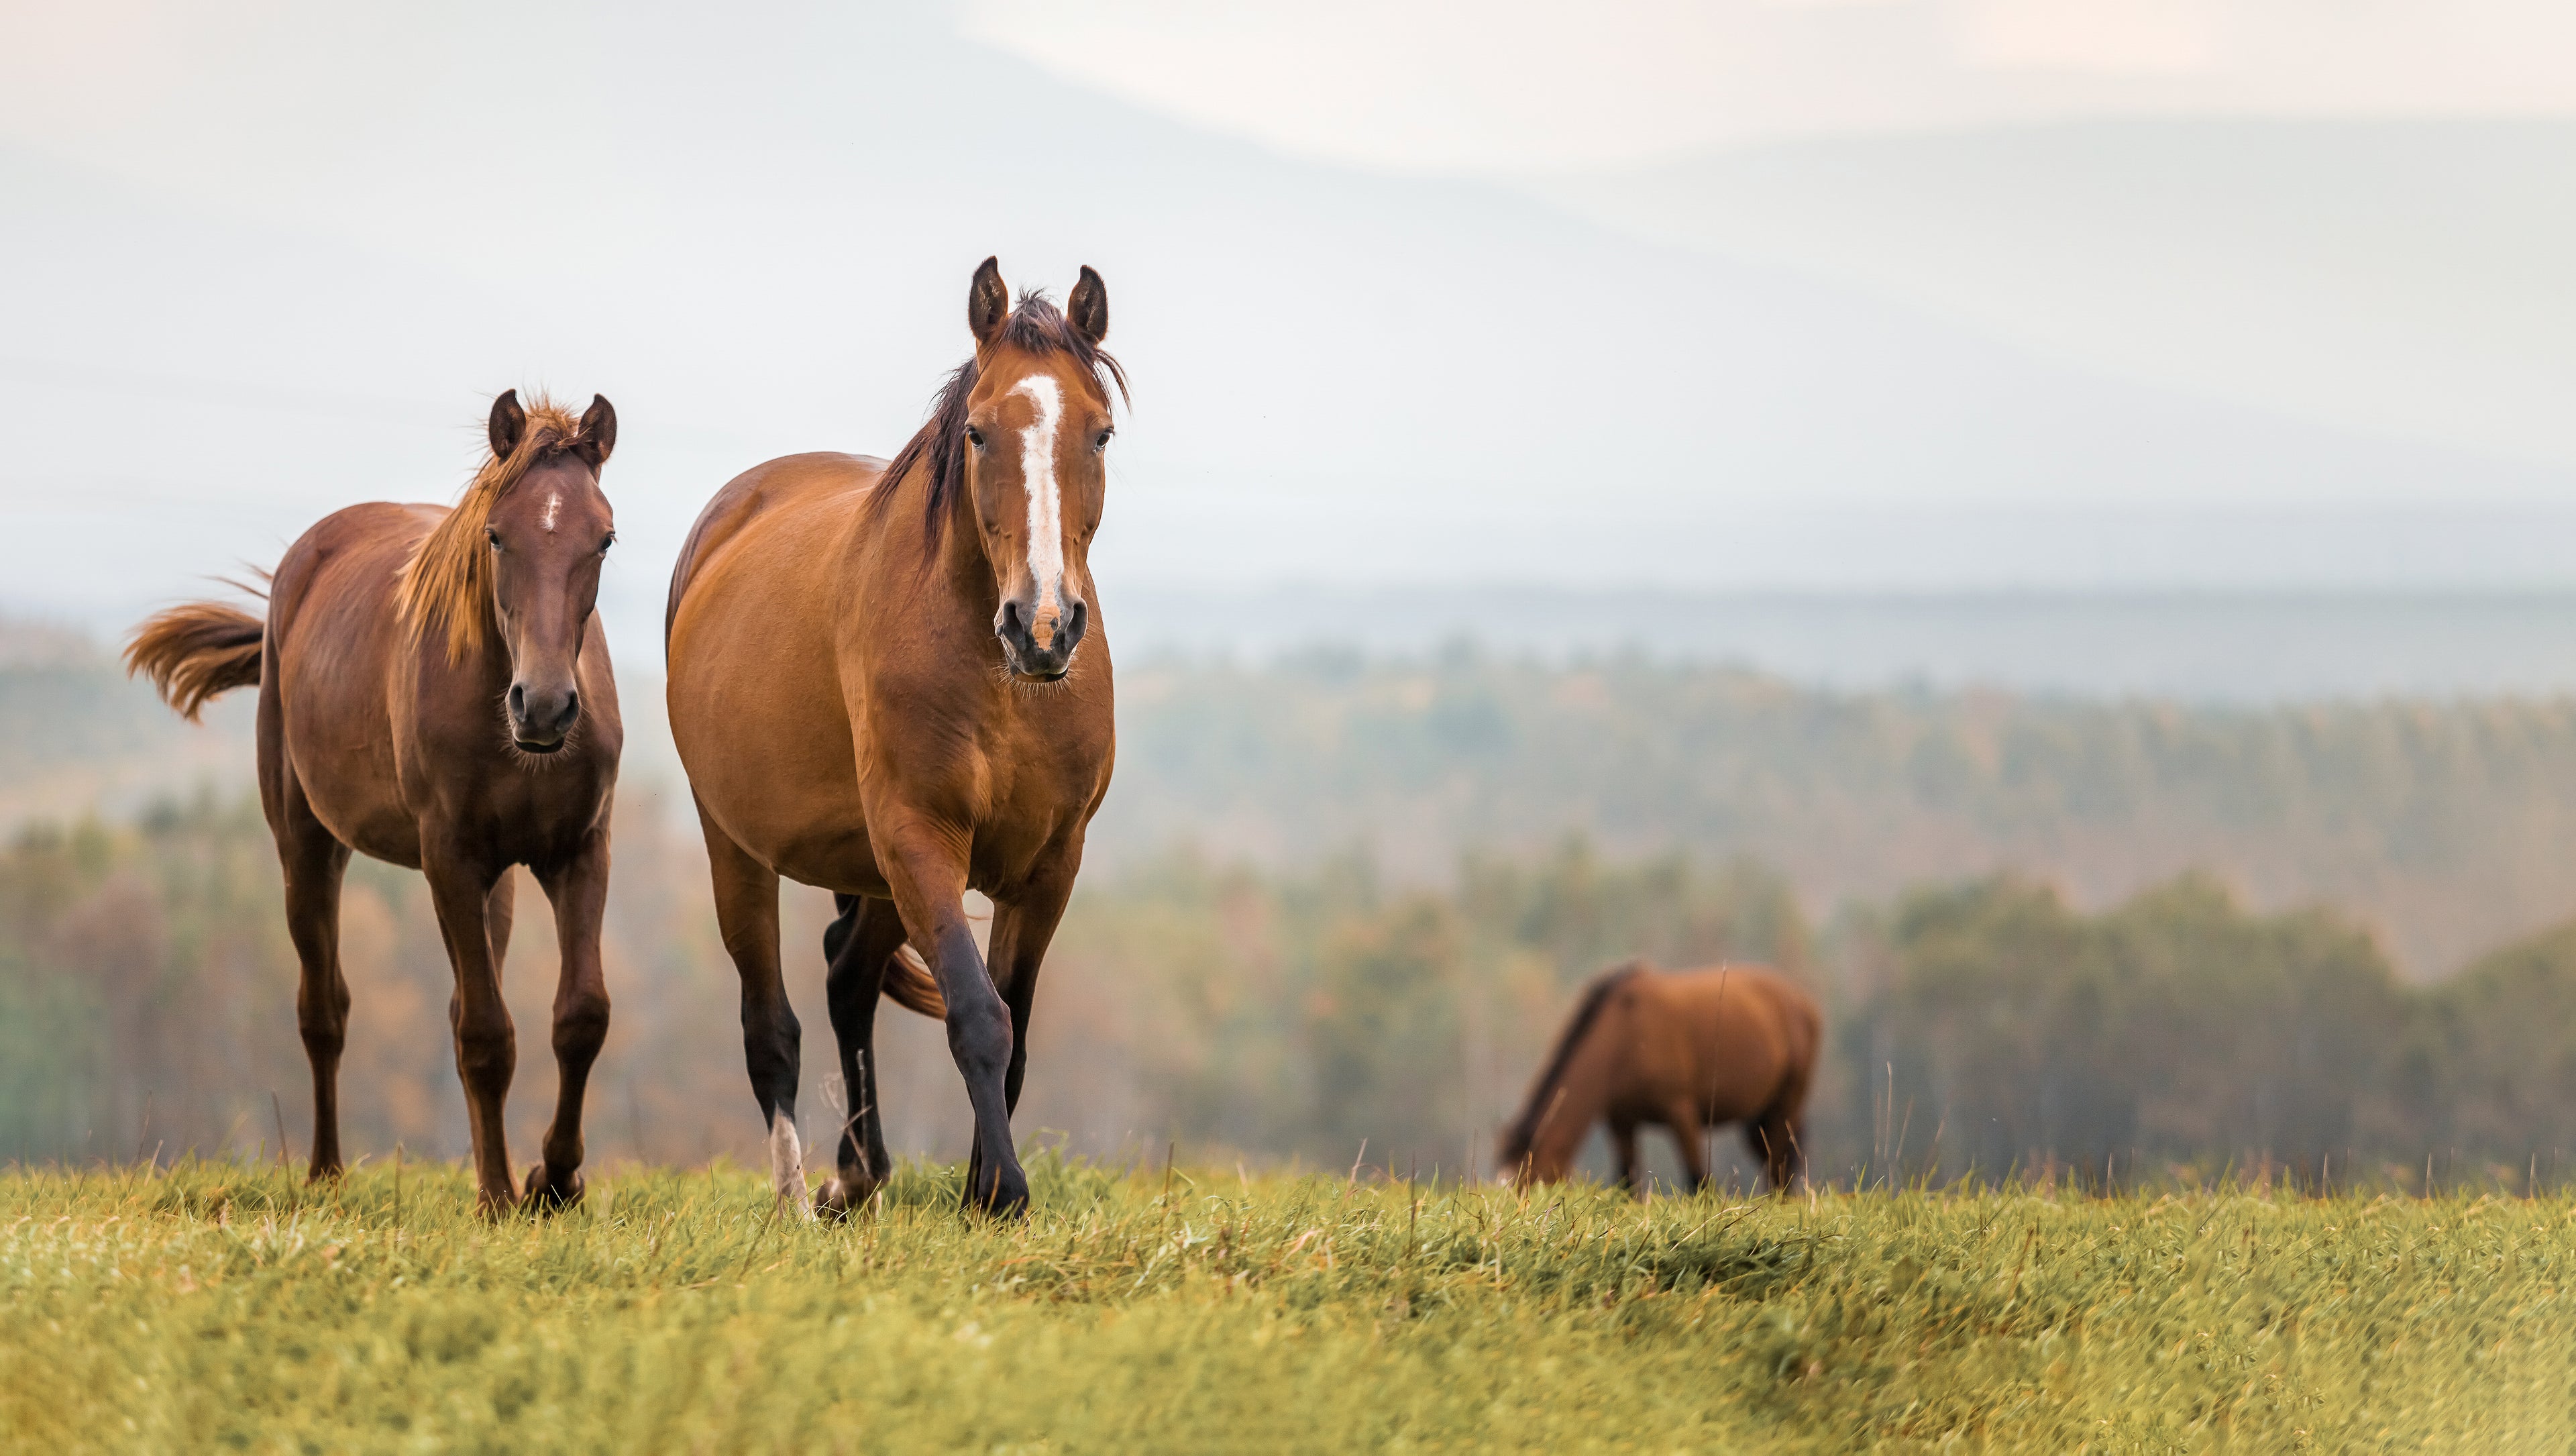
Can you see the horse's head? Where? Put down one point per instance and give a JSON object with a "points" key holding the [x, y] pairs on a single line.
{"points": [[1037, 433], [546, 534]]}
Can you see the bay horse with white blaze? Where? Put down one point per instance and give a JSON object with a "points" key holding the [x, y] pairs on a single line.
{"points": [[889, 679], [1689, 1049], [434, 691]]}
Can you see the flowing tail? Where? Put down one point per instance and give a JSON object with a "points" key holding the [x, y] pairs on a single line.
{"points": [[194, 652], [908, 984]]}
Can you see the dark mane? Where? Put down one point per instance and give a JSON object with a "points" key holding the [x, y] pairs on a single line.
{"points": [[1524, 1129], [1035, 325]]}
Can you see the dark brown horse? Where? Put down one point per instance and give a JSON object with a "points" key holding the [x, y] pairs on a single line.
{"points": [[434, 690], [1689, 1049], [890, 680]]}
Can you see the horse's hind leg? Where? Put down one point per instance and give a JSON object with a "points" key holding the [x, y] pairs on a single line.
{"points": [[578, 890], [315, 863], [1774, 1137], [747, 915], [858, 945], [1778, 1136], [1691, 1135], [1623, 1146]]}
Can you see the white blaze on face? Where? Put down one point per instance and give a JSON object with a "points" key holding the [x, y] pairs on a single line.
{"points": [[554, 503], [787, 1164], [1046, 504]]}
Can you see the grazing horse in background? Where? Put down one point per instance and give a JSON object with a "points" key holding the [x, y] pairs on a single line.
{"points": [[889, 679], [434, 691], [1688, 1049]]}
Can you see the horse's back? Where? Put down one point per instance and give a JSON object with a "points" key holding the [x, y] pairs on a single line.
{"points": [[789, 486], [1754, 1026]]}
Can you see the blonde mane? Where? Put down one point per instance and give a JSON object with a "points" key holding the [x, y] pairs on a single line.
{"points": [[448, 580]]}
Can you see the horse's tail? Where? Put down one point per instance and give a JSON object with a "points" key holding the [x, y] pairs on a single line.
{"points": [[1534, 1114], [908, 984], [196, 651]]}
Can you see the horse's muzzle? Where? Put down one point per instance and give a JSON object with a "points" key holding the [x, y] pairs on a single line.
{"points": [[541, 717], [1029, 658]]}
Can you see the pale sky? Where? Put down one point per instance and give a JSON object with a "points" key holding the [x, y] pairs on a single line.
{"points": [[1512, 85], [262, 260]]}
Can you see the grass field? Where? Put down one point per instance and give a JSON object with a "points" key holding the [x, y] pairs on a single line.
{"points": [[227, 1307]]}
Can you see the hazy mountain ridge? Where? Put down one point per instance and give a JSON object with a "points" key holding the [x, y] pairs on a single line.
{"points": [[2387, 276]]}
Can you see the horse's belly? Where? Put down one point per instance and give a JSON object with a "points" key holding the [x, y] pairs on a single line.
{"points": [[339, 747]]}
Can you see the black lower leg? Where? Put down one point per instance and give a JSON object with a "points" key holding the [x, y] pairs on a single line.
{"points": [[772, 1048], [859, 943], [979, 1038]]}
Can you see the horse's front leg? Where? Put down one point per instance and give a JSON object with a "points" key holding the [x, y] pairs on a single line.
{"points": [[578, 890], [926, 868], [487, 1051], [1022, 930]]}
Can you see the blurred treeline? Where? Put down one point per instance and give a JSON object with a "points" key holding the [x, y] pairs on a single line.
{"points": [[2449, 827], [146, 994]]}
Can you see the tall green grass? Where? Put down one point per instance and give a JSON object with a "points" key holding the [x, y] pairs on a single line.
{"points": [[227, 1307]]}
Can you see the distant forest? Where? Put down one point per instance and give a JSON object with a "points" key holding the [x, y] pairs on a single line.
{"points": [[1335, 900], [1330, 1016], [2448, 828]]}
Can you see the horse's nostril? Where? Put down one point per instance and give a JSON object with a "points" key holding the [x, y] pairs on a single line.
{"points": [[518, 701], [1010, 624], [572, 706], [1080, 618]]}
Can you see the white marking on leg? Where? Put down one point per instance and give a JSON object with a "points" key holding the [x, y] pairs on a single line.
{"points": [[787, 1164], [1046, 504], [554, 502]]}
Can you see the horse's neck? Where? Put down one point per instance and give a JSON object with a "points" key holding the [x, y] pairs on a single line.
{"points": [[1585, 1088], [950, 598], [1561, 1114]]}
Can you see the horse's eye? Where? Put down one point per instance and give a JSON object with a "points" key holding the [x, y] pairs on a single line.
{"points": [[493, 537], [975, 437], [611, 541], [1103, 442]]}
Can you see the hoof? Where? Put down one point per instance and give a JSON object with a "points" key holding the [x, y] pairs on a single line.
{"points": [[841, 1197], [546, 1195], [1002, 1196]]}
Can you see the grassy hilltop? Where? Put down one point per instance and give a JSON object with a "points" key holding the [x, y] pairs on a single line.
{"points": [[221, 1306]]}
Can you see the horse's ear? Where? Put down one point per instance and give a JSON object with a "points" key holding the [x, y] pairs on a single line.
{"points": [[1089, 306], [509, 424], [598, 432], [988, 304]]}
